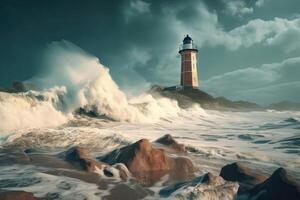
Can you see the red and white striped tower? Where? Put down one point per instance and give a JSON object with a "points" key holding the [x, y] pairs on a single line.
{"points": [[188, 51]]}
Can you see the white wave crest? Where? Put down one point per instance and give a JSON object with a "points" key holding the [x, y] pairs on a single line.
{"points": [[30, 110], [91, 87], [74, 79]]}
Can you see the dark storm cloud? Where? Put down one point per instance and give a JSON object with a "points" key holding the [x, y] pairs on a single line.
{"points": [[138, 39]]}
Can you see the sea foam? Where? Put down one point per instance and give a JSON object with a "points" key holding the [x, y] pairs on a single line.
{"points": [[84, 83]]}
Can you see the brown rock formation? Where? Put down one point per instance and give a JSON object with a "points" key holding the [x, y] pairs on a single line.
{"points": [[16, 195], [280, 186], [246, 177], [123, 191], [169, 142], [82, 156], [149, 164]]}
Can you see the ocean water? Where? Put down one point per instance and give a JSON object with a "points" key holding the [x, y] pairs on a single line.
{"points": [[264, 140], [49, 120]]}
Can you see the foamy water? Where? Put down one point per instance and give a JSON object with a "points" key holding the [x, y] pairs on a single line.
{"points": [[267, 140]]}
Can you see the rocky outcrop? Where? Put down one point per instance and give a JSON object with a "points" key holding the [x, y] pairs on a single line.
{"points": [[16, 195], [188, 97], [207, 186], [82, 156], [242, 174], [148, 164], [123, 191], [279, 186], [168, 141], [123, 171]]}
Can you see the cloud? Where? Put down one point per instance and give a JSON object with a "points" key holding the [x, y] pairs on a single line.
{"points": [[205, 25], [237, 8], [260, 3], [266, 32], [288, 39], [259, 83], [254, 32], [136, 8]]}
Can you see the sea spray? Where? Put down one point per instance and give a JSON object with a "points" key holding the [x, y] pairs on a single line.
{"points": [[91, 87], [32, 109], [86, 84]]}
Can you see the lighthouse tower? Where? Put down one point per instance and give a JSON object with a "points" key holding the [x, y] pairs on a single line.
{"points": [[188, 51]]}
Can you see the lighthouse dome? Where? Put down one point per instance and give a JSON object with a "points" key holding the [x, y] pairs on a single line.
{"points": [[187, 40]]}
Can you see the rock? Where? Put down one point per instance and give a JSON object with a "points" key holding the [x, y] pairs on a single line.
{"points": [[149, 164], [16, 195], [139, 156], [169, 142], [89, 177], [51, 161], [82, 156], [123, 191], [246, 177], [207, 186], [189, 97], [123, 171], [279, 186]]}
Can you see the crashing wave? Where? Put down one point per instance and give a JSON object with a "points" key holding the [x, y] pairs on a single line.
{"points": [[74, 79], [31, 109]]}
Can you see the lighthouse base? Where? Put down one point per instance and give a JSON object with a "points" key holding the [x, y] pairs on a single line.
{"points": [[180, 88], [189, 87]]}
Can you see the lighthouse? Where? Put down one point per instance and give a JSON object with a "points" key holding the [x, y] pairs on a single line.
{"points": [[188, 51]]}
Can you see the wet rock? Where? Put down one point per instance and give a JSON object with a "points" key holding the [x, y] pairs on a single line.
{"points": [[139, 156], [82, 156], [246, 177], [16, 195], [279, 186], [51, 161], [171, 143], [123, 171], [149, 164], [123, 191], [207, 186], [76, 153], [89, 177]]}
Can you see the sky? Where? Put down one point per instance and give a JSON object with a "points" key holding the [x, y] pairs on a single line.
{"points": [[248, 49]]}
